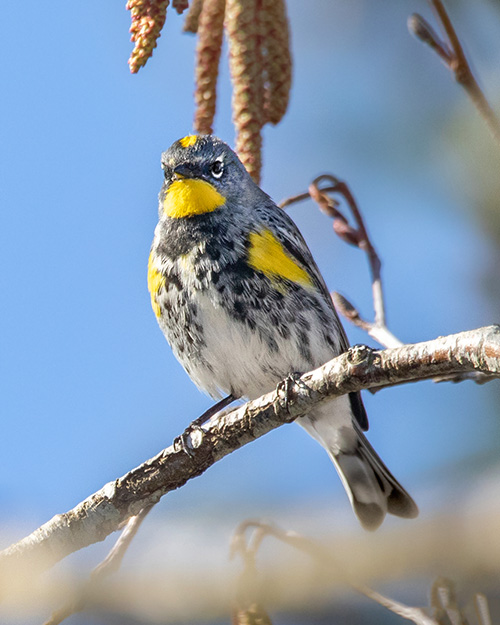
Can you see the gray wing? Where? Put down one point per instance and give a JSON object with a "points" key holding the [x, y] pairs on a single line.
{"points": [[292, 240]]}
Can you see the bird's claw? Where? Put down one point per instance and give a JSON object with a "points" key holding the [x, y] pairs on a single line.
{"points": [[189, 440], [285, 386]]}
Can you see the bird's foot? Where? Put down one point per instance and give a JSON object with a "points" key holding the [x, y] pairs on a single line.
{"points": [[285, 388], [192, 436], [190, 439]]}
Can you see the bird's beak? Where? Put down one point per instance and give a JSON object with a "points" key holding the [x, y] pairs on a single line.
{"points": [[185, 170]]}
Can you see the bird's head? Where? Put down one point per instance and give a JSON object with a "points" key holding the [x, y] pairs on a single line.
{"points": [[202, 174]]}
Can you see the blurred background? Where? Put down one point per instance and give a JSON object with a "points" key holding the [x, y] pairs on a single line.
{"points": [[90, 388]]}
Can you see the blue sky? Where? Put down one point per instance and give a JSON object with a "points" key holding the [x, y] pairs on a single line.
{"points": [[89, 385]]}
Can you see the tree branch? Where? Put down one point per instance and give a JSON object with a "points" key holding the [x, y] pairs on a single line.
{"points": [[359, 368]]}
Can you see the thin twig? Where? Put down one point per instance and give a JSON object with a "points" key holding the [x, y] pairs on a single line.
{"points": [[452, 55], [108, 566], [444, 603], [482, 609], [359, 237], [363, 241], [380, 333], [113, 560], [418, 615]]}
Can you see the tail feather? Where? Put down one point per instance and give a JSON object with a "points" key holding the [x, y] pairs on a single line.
{"points": [[371, 487], [399, 502]]}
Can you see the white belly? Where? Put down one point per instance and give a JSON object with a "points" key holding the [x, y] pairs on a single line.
{"points": [[240, 360]]}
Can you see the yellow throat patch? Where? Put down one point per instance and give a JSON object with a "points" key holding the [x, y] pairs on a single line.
{"points": [[156, 281], [267, 255], [188, 197]]}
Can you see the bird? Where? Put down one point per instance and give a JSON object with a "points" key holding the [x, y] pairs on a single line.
{"points": [[242, 303]]}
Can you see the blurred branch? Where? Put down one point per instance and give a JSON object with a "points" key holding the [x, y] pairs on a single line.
{"points": [[445, 610], [482, 609], [461, 539], [108, 566], [418, 615], [452, 55], [359, 368]]}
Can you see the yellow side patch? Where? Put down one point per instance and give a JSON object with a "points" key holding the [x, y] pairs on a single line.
{"points": [[156, 281], [188, 141], [188, 197], [266, 254]]}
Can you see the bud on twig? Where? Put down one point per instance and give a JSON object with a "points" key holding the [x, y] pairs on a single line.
{"points": [[277, 63], [422, 30], [346, 232], [193, 14], [148, 17], [180, 5], [245, 64], [210, 31]]}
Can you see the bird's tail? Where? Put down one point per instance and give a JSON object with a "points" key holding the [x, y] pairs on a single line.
{"points": [[371, 487]]}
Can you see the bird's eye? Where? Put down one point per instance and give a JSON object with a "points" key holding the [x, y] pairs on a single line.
{"points": [[217, 169]]}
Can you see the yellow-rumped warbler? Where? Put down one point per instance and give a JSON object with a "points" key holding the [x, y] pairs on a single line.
{"points": [[242, 303]]}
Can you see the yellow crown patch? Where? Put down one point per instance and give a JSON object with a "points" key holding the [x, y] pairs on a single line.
{"points": [[188, 141]]}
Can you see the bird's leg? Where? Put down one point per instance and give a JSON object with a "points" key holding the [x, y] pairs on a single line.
{"points": [[184, 439], [208, 414]]}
